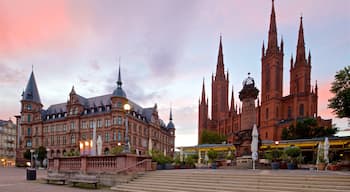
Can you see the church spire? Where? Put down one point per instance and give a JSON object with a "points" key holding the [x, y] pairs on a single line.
{"points": [[119, 91], [232, 100], [300, 58], [31, 92], [203, 92], [272, 45], [220, 63]]}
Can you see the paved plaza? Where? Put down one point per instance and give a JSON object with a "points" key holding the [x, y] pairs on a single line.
{"points": [[14, 180]]}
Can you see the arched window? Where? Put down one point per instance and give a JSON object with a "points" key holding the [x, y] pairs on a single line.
{"points": [[289, 112], [266, 135], [267, 114]]}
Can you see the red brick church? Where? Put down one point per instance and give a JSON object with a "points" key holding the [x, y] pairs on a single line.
{"points": [[275, 111]]}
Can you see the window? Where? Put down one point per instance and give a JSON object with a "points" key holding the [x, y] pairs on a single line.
{"points": [[267, 83], [107, 122], [52, 128], [36, 141], [107, 137], [84, 125], [36, 131], [72, 139], [114, 135], [301, 109], [119, 120], [135, 128], [64, 127], [267, 114], [83, 136], [29, 107], [99, 123], [114, 120], [277, 113], [266, 135], [58, 140], [29, 131], [28, 118], [72, 125], [91, 124], [64, 140], [119, 105], [52, 138], [46, 129], [146, 131], [119, 136], [46, 141]]}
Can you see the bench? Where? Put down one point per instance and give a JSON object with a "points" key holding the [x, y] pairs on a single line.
{"points": [[56, 177], [89, 179]]}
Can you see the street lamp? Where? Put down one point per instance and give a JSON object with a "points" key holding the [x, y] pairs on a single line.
{"points": [[127, 144], [31, 158]]}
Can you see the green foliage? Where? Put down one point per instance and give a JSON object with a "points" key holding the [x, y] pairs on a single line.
{"points": [[41, 151], [340, 103], [189, 160], [26, 154], [72, 153], [212, 155], [273, 155], [209, 137], [292, 151], [307, 128], [160, 158], [117, 150]]}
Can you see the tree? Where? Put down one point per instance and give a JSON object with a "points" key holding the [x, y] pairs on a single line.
{"points": [[340, 103], [41, 151], [307, 128], [209, 137], [27, 154]]}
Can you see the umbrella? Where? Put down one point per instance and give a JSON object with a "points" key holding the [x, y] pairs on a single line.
{"points": [[99, 145], [254, 145], [150, 146], [319, 149], [326, 149]]}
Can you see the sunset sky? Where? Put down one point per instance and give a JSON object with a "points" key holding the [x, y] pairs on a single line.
{"points": [[166, 48]]}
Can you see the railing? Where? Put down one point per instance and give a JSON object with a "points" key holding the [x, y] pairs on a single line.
{"points": [[143, 165], [99, 164]]}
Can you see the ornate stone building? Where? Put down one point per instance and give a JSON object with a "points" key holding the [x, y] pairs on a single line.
{"points": [[276, 111], [61, 127], [7, 143]]}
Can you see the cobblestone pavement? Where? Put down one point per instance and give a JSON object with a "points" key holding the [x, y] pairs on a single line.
{"points": [[14, 180]]}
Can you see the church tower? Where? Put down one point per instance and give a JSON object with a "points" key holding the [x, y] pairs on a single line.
{"points": [[300, 71], [271, 81], [220, 89], [202, 114]]}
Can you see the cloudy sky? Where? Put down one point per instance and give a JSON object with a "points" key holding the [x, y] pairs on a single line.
{"points": [[165, 47]]}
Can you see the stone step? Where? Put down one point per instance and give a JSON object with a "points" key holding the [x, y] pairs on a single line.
{"points": [[255, 178], [323, 185], [198, 188]]}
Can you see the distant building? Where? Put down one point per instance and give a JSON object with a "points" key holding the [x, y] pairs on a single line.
{"points": [[275, 111], [61, 127], [7, 143]]}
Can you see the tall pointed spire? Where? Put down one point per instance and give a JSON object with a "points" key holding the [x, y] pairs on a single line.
{"points": [[203, 92], [171, 114], [31, 92], [119, 82], [171, 123], [272, 45], [300, 58], [232, 100], [119, 91], [220, 63]]}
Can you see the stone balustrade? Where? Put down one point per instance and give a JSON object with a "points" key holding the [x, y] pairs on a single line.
{"points": [[100, 164]]}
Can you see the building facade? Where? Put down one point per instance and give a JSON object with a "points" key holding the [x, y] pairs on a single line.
{"points": [[276, 110], [62, 127], [7, 143]]}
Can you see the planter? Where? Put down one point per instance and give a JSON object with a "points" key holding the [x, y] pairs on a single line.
{"points": [[169, 166], [333, 167], [291, 165], [154, 166], [275, 165], [213, 165], [160, 166], [283, 165], [321, 166]]}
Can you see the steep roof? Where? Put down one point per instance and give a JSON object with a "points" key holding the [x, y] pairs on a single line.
{"points": [[31, 92]]}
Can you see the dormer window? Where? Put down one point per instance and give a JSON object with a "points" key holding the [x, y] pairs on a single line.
{"points": [[65, 114], [47, 117], [92, 110], [85, 111], [100, 109], [53, 116], [108, 108]]}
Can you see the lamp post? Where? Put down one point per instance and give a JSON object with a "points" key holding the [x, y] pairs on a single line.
{"points": [[127, 145], [31, 158]]}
